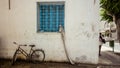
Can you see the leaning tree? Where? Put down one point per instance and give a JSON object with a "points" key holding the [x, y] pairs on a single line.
{"points": [[111, 12]]}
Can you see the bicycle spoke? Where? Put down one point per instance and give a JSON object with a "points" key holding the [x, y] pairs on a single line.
{"points": [[38, 56]]}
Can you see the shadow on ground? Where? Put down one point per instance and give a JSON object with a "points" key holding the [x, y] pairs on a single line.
{"points": [[24, 64]]}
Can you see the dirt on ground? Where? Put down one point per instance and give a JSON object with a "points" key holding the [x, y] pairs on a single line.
{"points": [[24, 64], [107, 59]]}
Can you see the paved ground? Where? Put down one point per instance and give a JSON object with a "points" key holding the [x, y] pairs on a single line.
{"points": [[107, 60]]}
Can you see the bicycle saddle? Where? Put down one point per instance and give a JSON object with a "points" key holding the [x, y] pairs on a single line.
{"points": [[32, 45]]}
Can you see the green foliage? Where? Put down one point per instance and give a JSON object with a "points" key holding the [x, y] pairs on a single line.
{"points": [[105, 16], [109, 8]]}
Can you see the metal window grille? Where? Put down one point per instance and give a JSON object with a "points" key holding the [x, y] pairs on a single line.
{"points": [[51, 16]]}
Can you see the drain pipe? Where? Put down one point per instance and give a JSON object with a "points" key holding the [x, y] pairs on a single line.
{"points": [[61, 30]]}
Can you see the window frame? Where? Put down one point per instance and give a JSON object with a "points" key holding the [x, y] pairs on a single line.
{"points": [[38, 14]]}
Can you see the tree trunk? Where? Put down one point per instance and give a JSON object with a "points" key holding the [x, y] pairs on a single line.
{"points": [[118, 29]]}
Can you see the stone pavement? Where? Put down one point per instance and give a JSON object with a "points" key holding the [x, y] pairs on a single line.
{"points": [[109, 58]]}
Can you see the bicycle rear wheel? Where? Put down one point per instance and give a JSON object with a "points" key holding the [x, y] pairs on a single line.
{"points": [[38, 56]]}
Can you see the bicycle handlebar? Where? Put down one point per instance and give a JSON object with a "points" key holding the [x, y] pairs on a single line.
{"points": [[14, 42]]}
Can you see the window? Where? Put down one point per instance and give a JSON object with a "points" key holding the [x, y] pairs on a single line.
{"points": [[50, 16]]}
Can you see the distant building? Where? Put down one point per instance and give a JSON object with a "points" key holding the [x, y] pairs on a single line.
{"points": [[108, 30]]}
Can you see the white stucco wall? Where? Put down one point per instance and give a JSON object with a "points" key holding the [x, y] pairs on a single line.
{"points": [[81, 30]]}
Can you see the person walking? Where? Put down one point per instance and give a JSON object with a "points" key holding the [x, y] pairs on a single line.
{"points": [[101, 41]]}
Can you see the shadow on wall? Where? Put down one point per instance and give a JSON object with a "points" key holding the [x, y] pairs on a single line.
{"points": [[2, 48]]}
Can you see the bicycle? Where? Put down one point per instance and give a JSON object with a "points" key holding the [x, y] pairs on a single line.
{"points": [[34, 55]]}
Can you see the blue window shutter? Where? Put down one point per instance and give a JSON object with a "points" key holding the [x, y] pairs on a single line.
{"points": [[51, 16]]}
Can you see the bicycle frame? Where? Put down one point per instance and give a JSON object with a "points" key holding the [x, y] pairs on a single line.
{"points": [[21, 51]]}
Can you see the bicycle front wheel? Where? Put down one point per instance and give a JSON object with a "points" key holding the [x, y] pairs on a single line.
{"points": [[38, 56], [14, 57]]}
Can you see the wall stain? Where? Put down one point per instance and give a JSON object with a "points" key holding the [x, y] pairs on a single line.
{"points": [[81, 58], [82, 24], [93, 28], [95, 34], [88, 35]]}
